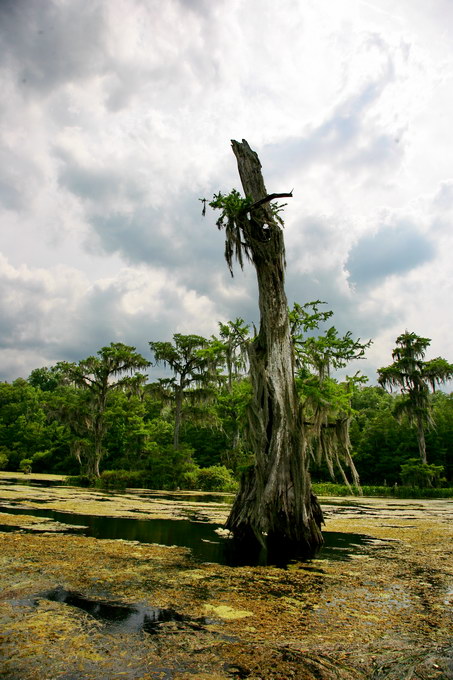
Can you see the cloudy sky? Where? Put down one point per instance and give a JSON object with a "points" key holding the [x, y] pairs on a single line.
{"points": [[117, 116]]}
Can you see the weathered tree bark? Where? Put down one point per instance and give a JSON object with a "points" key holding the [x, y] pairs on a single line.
{"points": [[275, 507], [179, 396], [421, 440]]}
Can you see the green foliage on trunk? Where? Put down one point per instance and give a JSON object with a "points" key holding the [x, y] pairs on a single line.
{"points": [[326, 402]]}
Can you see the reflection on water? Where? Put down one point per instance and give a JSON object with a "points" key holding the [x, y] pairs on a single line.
{"points": [[339, 546], [200, 537], [120, 616], [33, 481], [185, 497]]}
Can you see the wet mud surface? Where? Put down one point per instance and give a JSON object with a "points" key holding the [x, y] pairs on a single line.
{"points": [[77, 607]]}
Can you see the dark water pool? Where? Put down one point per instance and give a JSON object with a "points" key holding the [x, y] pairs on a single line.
{"points": [[185, 497], [206, 497], [23, 481], [120, 616], [200, 537]]}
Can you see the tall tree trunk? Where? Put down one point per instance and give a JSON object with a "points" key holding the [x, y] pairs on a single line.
{"points": [[275, 506], [421, 440], [178, 415], [95, 459], [98, 435]]}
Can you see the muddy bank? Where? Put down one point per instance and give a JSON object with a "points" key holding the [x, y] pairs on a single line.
{"points": [[384, 612]]}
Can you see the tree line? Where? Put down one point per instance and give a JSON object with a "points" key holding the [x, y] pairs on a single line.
{"points": [[101, 417]]}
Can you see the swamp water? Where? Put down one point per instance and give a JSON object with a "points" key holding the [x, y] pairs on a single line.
{"points": [[80, 609], [201, 537], [121, 617]]}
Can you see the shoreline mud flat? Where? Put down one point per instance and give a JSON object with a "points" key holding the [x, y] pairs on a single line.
{"points": [[74, 607]]}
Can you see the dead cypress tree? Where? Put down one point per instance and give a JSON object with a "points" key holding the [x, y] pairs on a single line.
{"points": [[275, 507]]}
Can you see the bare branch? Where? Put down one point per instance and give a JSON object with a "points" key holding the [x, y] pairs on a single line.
{"points": [[267, 199]]}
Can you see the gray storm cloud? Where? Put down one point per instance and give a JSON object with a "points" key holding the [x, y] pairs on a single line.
{"points": [[116, 117], [391, 251]]}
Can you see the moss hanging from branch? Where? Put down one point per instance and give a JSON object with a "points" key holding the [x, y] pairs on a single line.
{"points": [[241, 223]]}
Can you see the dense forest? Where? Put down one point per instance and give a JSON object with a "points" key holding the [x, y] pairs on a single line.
{"points": [[102, 421]]}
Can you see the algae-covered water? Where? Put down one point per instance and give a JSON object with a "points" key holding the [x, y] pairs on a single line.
{"points": [[206, 540], [142, 589]]}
